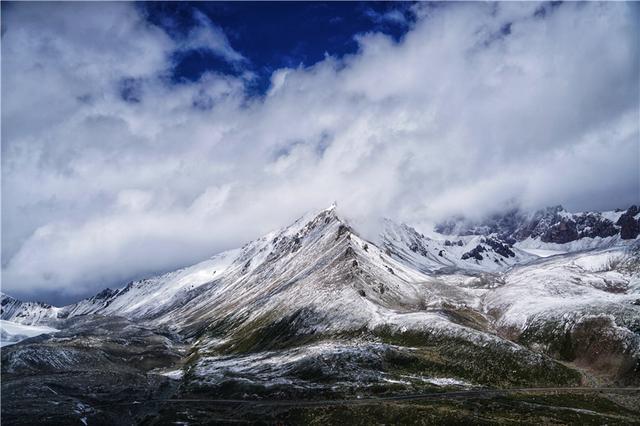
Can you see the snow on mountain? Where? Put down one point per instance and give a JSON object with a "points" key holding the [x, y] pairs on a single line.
{"points": [[13, 332], [472, 253], [319, 265], [549, 225], [583, 307], [318, 275], [147, 298], [314, 310], [307, 265], [533, 245], [27, 313], [566, 285]]}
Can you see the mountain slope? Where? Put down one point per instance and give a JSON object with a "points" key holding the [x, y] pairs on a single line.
{"points": [[466, 253], [315, 310], [27, 313], [12, 332], [550, 225]]}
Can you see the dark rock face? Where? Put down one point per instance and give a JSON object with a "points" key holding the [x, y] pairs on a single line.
{"points": [[499, 247], [341, 230], [560, 232], [349, 253], [105, 294], [475, 253], [417, 247], [594, 225], [629, 226], [633, 210], [503, 224], [537, 224], [551, 225]]}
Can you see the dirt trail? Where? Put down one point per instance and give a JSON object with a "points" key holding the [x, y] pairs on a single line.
{"points": [[475, 393]]}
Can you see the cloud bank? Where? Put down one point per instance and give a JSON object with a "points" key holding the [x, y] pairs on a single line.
{"points": [[111, 171]]}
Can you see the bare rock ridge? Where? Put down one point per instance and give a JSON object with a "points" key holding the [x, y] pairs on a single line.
{"points": [[550, 225], [629, 225]]}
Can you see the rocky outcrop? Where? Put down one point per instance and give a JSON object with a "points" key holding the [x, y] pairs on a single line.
{"points": [[593, 225], [629, 225], [475, 253], [12, 309], [487, 245], [550, 225], [563, 231], [499, 247]]}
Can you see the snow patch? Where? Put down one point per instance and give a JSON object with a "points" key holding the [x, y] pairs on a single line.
{"points": [[542, 252], [446, 381], [13, 332], [174, 374], [598, 262]]}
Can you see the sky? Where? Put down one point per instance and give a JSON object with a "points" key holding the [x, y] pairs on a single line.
{"points": [[139, 138]]}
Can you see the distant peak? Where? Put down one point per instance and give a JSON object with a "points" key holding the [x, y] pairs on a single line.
{"points": [[330, 212], [558, 208], [4, 295]]}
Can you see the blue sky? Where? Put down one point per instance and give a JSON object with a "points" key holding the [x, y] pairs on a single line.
{"points": [[139, 138], [273, 35]]}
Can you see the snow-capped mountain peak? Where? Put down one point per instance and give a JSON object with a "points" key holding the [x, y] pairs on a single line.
{"points": [[316, 292], [291, 263], [549, 225]]}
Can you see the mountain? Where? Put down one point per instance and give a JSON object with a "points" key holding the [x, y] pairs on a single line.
{"points": [[314, 311], [26, 313], [12, 332], [466, 253], [300, 252], [549, 225]]}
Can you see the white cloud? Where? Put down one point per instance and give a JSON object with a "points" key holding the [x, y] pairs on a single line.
{"points": [[458, 116], [208, 36], [393, 16]]}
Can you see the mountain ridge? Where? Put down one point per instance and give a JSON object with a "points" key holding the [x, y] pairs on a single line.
{"points": [[486, 248], [550, 225], [314, 310]]}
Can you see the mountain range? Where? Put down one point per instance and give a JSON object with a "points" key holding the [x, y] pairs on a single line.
{"points": [[317, 312]]}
